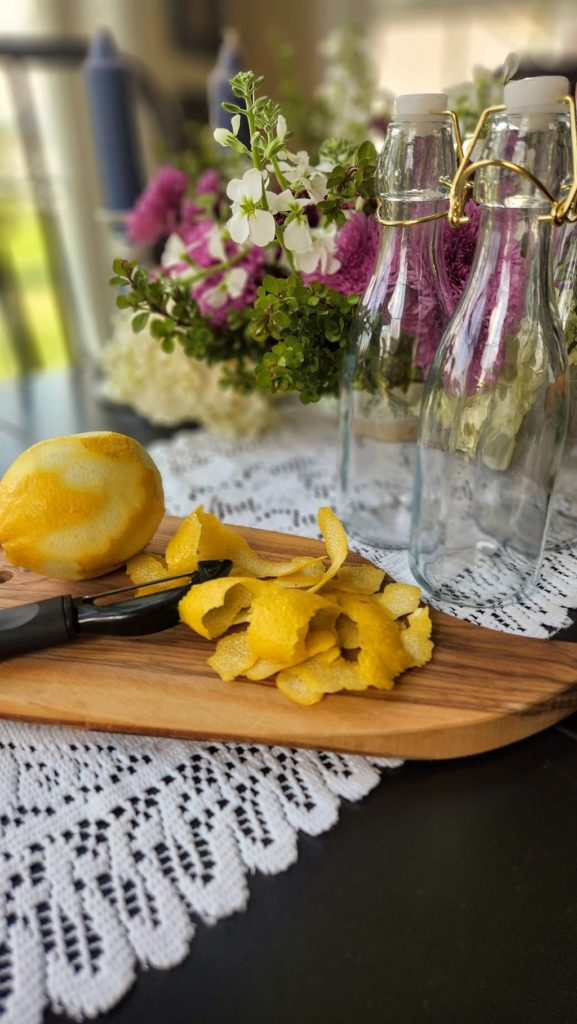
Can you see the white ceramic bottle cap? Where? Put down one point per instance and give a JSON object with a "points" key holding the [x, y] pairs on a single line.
{"points": [[420, 104], [536, 94]]}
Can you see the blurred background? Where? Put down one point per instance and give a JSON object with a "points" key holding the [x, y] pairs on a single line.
{"points": [[59, 224]]}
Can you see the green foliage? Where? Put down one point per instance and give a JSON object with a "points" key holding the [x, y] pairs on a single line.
{"points": [[571, 337], [304, 329], [291, 339], [469, 99], [349, 182]]}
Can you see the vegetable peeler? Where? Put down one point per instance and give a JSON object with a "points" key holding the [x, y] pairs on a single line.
{"points": [[57, 620]]}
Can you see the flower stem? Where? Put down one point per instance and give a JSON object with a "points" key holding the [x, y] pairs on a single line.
{"points": [[255, 155], [287, 252], [283, 182], [252, 131], [215, 267]]}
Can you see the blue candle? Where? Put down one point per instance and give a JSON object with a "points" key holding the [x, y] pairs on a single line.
{"points": [[111, 104]]}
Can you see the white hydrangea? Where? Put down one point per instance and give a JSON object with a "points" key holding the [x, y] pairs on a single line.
{"points": [[169, 389]]}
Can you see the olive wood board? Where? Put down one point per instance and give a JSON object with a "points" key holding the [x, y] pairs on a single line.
{"points": [[483, 689]]}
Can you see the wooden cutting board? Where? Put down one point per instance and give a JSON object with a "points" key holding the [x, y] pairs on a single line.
{"points": [[482, 690]]}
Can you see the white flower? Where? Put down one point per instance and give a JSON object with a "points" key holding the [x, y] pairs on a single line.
{"points": [[297, 234], [178, 258], [248, 219], [281, 127], [221, 135], [231, 286], [316, 186], [296, 230], [174, 257], [321, 254], [297, 170], [215, 244]]}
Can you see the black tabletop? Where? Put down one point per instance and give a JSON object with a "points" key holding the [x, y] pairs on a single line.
{"points": [[444, 897]]}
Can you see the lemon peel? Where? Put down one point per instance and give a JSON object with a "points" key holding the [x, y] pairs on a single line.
{"points": [[314, 628]]}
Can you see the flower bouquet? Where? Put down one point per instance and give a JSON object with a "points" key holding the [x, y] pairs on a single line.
{"points": [[260, 273], [265, 253]]}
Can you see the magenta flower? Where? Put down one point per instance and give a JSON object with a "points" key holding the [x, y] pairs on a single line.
{"points": [[209, 183], [505, 288], [215, 301], [224, 290], [428, 302], [189, 214], [157, 211], [459, 248], [204, 245], [356, 249]]}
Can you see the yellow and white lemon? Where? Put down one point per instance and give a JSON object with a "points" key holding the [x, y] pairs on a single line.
{"points": [[79, 506]]}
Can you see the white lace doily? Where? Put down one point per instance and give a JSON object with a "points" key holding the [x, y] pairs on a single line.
{"points": [[279, 481], [111, 847]]}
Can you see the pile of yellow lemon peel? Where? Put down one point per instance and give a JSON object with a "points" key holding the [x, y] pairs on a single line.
{"points": [[316, 628]]}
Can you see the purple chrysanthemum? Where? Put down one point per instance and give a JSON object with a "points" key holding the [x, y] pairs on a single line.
{"points": [[189, 214], [505, 294], [356, 249], [197, 237], [157, 211], [209, 183], [459, 248]]}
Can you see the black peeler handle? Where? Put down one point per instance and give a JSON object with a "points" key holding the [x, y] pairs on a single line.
{"points": [[56, 620], [28, 627]]}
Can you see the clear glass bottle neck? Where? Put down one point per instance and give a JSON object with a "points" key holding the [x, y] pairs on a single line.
{"points": [[417, 162], [412, 255], [541, 144], [409, 207], [515, 236]]}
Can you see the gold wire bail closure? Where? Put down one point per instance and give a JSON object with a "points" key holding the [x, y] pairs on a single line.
{"points": [[567, 208], [561, 210], [431, 216]]}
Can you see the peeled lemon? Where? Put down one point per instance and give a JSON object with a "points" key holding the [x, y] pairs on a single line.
{"points": [[79, 506]]}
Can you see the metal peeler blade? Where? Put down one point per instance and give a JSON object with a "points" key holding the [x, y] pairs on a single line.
{"points": [[57, 620]]}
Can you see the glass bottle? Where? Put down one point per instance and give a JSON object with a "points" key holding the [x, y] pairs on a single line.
{"points": [[398, 325], [495, 406], [562, 530]]}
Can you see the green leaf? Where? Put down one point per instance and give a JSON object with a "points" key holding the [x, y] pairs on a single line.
{"points": [[157, 328], [272, 285], [123, 266], [123, 302], [139, 322], [234, 143], [281, 320], [366, 151]]}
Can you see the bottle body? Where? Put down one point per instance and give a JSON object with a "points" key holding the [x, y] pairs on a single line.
{"points": [[493, 422], [395, 335], [388, 356], [563, 522]]}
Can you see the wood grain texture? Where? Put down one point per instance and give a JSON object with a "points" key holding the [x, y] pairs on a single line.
{"points": [[482, 690]]}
